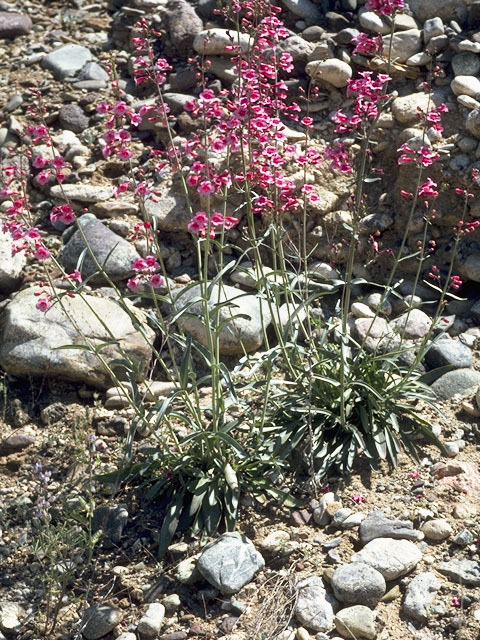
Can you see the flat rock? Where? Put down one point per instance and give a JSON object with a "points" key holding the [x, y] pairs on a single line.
{"points": [[356, 622], [183, 25], [30, 339], [11, 616], [99, 620], [81, 192], [376, 525], [465, 572], [114, 254], [230, 562], [67, 60], [14, 24], [218, 42], [246, 331], [11, 267], [460, 475], [392, 558], [17, 441], [314, 607], [357, 583], [463, 381], [419, 596]]}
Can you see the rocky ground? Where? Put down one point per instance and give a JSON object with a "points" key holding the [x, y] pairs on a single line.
{"points": [[389, 554]]}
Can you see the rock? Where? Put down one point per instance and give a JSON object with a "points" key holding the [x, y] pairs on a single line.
{"points": [[468, 45], [238, 331], [334, 71], [357, 582], [370, 21], [11, 266], [170, 212], [183, 25], [420, 59], [14, 24], [465, 572], [329, 503], [323, 270], [99, 620], [305, 9], [230, 562], [111, 520], [177, 101], [374, 333], [458, 381], [463, 538], [93, 71], [29, 339], [404, 108], [376, 525], [437, 530], [466, 64], [114, 254], [314, 606], [171, 602], [297, 47], [432, 28], [18, 441], [361, 310], [81, 192], [356, 622], [472, 124], [218, 42], [378, 303], [275, 541], [67, 60], [150, 623], [412, 325], [11, 616], [187, 572], [465, 86], [447, 10], [404, 44], [461, 476], [53, 413], [419, 596], [449, 352], [340, 515], [392, 558], [72, 117]]}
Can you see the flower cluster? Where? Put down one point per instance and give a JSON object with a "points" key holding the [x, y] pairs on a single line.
{"points": [[367, 45], [201, 224], [422, 157], [369, 91], [147, 273]]}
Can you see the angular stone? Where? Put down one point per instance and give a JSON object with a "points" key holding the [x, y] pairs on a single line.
{"points": [[376, 525], [314, 607], [356, 622], [392, 558], [73, 118], [449, 352], [150, 623], [230, 562], [114, 254], [67, 60], [30, 340], [357, 582], [461, 476], [432, 28], [419, 596], [99, 620], [11, 616], [465, 572], [238, 333]]}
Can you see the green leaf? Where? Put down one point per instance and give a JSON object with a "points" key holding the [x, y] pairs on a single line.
{"points": [[170, 522]]}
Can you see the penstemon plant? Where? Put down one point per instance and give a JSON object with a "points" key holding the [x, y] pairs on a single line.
{"points": [[250, 190]]}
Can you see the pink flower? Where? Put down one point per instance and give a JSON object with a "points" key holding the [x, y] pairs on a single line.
{"points": [[63, 213], [43, 177], [41, 253], [414, 475], [103, 107], [428, 189], [205, 188], [57, 162], [39, 162], [133, 283], [366, 44], [385, 7], [43, 303], [358, 499], [120, 108], [156, 281], [124, 154], [75, 275]]}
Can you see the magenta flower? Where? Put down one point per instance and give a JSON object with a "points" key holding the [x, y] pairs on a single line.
{"points": [[367, 45], [385, 7], [428, 189]]}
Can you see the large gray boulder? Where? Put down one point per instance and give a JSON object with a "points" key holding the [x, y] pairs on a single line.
{"points": [[30, 339]]}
